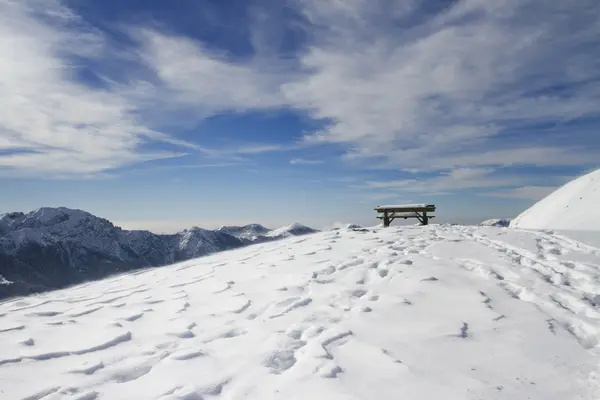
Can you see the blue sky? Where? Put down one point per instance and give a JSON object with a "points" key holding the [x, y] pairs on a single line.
{"points": [[161, 115]]}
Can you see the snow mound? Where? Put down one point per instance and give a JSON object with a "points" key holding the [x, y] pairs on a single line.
{"points": [[500, 222], [574, 206], [435, 312]]}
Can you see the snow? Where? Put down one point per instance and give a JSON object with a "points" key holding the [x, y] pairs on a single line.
{"points": [[52, 248], [574, 206], [294, 229], [429, 312], [591, 238], [405, 206]]}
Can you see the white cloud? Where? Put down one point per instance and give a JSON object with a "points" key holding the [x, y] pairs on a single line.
{"points": [[449, 84], [398, 88], [54, 124], [57, 124], [448, 181], [541, 156], [204, 82]]}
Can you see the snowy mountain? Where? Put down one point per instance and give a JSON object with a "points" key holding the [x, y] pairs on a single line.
{"points": [[435, 312], [197, 242], [54, 247], [574, 206], [249, 232], [499, 222]]}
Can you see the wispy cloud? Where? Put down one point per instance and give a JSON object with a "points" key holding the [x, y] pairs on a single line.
{"points": [[448, 182], [463, 177], [435, 91], [416, 85], [303, 161], [257, 149], [139, 170], [51, 122], [201, 82], [240, 153]]}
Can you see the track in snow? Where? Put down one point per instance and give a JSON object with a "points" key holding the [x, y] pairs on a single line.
{"points": [[421, 312]]}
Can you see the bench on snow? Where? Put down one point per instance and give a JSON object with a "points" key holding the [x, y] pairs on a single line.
{"points": [[418, 211]]}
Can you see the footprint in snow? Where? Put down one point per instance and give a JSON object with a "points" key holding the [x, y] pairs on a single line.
{"points": [[464, 331], [43, 314], [186, 354], [27, 342], [330, 370], [280, 361], [383, 273], [357, 293]]}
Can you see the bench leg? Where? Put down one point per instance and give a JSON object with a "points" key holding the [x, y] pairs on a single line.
{"points": [[386, 220], [425, 218]]}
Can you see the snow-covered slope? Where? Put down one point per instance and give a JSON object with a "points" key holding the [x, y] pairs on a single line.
{"points": [[54, 247], [436, 312], [499, 222], [574, 206]]}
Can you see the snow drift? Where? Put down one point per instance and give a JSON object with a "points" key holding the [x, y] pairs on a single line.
{"points": [[574, 206]]}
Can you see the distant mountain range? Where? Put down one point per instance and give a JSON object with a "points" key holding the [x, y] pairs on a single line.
{"points": [[51, 248]]}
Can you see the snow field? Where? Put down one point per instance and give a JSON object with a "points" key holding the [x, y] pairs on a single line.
{"points": [[404, 312]]}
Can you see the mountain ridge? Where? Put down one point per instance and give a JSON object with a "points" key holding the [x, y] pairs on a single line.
{"points": [[51, 248]]}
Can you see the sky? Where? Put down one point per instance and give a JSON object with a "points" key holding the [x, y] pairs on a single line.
{"points": [[161, 115]]}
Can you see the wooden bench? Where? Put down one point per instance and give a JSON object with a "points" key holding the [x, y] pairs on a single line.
{"points": [[418, 211]]}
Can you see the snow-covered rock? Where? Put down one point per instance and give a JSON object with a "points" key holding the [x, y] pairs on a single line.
{"points": [[574, 206], [295, 229], [435, 312], [247, 232], [499, 222], [50, 248], [353, 226]]}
